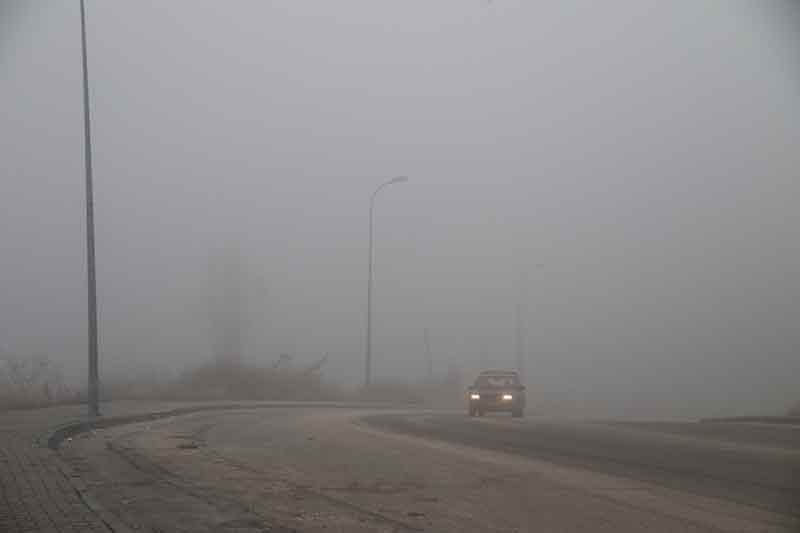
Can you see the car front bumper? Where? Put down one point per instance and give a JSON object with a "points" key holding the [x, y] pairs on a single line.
{"points": [[492, 404]]}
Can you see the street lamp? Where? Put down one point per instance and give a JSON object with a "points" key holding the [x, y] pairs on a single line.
{"points": [[368, 358], [94, 381]]}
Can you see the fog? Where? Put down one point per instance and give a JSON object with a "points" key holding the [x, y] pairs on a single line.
{"points": [[625, 174]]}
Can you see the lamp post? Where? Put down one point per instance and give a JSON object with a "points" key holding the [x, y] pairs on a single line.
{"points": [[368, 357], [93, 395]]}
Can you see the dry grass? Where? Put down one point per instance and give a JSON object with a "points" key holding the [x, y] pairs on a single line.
{"points": [[221, 381], [217, 381], [34, 382], [226, 381], [28, 382]]}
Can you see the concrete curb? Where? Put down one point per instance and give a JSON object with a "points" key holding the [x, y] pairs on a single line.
{"points": [[71, 429]]}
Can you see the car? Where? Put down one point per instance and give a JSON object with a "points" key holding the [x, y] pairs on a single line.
{"points": [[497, 390]]}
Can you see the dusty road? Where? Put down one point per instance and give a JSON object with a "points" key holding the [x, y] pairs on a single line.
{"points": [[351, 471]]}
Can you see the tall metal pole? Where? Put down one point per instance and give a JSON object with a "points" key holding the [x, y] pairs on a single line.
{"points": [[368, 356], [94, 385], [428, 356], [368, 359], [519, 341]]}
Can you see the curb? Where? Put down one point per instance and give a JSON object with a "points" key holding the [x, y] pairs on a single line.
{"points": [[71, 429]]}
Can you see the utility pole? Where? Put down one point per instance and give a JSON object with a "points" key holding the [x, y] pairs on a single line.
{"points": [[520, 342], [428, 356], [94, 380]]}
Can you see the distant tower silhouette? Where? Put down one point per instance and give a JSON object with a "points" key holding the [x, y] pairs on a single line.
{"points": [[483, 362], [226, 304]]}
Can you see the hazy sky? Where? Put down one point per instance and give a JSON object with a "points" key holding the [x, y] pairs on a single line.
{"points": [[627, 171]]}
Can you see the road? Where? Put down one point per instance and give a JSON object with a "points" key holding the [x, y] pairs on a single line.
{"points": [[354, 470], [747, 463]]}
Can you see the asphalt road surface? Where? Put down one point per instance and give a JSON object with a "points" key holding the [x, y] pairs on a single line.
{"points": [[753, 464], [353, 470]]}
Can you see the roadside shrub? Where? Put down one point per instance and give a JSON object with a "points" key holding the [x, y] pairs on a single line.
{"points": [[35, 382], [31, 381], [220, 380]]}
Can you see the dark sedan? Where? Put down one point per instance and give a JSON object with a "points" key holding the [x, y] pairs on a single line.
{"points": [[497, 390]]}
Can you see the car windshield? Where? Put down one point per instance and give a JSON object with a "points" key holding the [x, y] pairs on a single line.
{"points": [[496, 382]]}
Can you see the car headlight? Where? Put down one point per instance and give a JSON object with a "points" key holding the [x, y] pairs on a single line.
{"points": [[474, 396], [507, 397]]}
